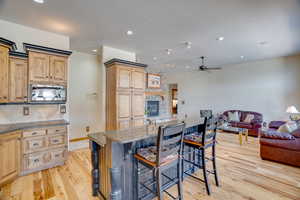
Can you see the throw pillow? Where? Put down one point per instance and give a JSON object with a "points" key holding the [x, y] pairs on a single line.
{"points": [[249, 118], [292, 125], [234, 116], [288, 127], [296, 133], [283, 128]]}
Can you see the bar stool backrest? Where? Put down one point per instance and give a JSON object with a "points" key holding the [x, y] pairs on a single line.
{"points": [[169, 141], [208, 130]]}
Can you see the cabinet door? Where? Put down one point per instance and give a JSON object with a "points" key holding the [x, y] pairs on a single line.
{"points": [[138, 104], [38, 67], [124, 78], [138, 122], [10, 157], [123, 109], [3, 74], [124, 104], [123, 124], [138, 79], [17, 80], [58, 69]]}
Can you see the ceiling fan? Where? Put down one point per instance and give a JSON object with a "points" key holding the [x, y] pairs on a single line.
{"points": [[203, 67]]}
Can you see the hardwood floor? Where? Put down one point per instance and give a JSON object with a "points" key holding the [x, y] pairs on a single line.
{"points": [[242, 173]]}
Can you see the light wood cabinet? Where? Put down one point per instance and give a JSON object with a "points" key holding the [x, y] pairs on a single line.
{"points": [[58, 69], [47, 69], [39, 67], [124, 77], [138, 79], [125, 90], [9, 156], [43, 148], [4, 74], [18, 80]]}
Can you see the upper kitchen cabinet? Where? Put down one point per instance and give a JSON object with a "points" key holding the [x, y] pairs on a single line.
{"points": [[58, 69], [128, 76], [18, 73], [47, 65], [125, 93], [5, 47], [39, 67]]}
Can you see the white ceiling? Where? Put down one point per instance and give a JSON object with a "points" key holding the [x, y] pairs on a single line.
{"points": [[166, 24]]}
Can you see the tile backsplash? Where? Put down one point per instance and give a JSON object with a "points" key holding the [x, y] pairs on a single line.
{"points": [[14, 113]]}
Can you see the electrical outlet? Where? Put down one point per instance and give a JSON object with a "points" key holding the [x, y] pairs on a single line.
{"points": [[26, 110], [63, 109], [87, 129]]}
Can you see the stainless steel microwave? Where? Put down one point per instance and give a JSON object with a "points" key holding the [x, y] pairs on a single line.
{"points": [[47, 93]]}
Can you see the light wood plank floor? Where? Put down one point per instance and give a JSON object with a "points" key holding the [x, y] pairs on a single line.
{"points": [[242, 173]]}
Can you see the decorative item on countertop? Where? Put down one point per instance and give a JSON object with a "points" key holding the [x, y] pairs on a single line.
{"points": [[294, 113], [153, 81]]}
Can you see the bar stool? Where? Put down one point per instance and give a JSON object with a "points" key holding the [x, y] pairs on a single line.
{"points": [[199, 142], [158, 159]]}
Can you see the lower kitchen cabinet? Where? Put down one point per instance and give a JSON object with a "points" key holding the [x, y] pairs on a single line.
{"points": [[9, 156], [43, 148], [24, 152]]}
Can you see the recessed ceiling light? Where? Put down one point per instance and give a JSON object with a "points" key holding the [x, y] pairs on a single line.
{"points": [[129, 32], [39, 1], [220, 38], [242, 57], [187, 67], [95, 50], [154, 58]]}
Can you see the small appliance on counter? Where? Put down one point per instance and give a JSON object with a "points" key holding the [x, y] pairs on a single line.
{"points": [[47, 94]]}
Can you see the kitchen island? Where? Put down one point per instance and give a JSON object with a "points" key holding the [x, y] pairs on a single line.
{"points": [[113, 173]]}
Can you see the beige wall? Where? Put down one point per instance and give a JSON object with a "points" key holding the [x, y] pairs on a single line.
{"points": [[84, 96], [20, 34], [267, 87]]}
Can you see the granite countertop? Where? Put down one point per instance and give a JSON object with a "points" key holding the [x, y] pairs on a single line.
{"points": [[6, 128], [134, 134]]}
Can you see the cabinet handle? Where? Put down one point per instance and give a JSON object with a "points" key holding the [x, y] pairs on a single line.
{"points": [[56, 155], [35, 144], [4, 97], [36, 160], [55, 141], [47, 76], [34, 133], [25, 97]]}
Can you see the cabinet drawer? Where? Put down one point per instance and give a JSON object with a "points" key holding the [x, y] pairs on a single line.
{"points": [[58, 154], [34, 144], [57, 130], [34, 132], [56, 140], [36, 160]]}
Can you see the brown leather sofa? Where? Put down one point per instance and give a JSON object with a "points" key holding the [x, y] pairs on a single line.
{"points": [[280, 147]]}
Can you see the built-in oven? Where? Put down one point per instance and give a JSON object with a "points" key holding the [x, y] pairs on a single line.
{"points": [[47, 93]]}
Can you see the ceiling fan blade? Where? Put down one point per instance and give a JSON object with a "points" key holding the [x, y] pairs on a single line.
{"points": [[214, 68]]}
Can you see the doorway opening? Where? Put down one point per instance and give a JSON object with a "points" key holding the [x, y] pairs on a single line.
{"points": [[173, 91]]}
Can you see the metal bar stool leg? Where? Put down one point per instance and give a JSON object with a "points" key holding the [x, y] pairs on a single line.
{"points": [[214, 164], [179, 184], [205, 171], [159, 184]]}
